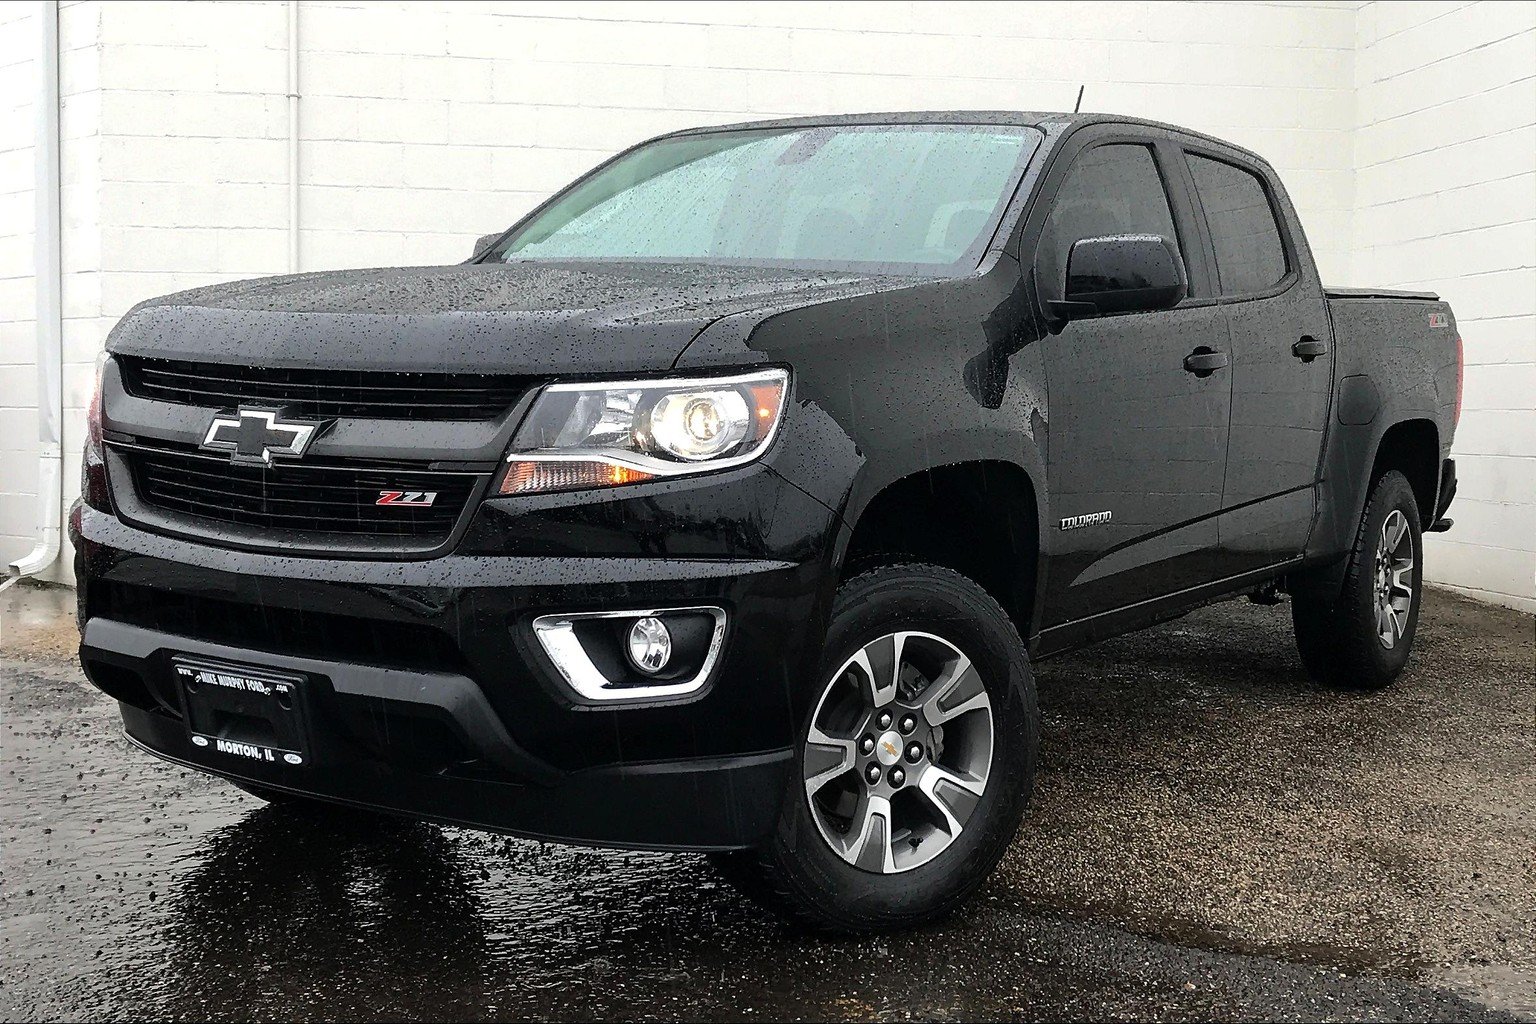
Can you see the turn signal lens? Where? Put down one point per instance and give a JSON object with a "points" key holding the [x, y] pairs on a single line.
{"points": [[93, 411], [93, 467], [535, 477]]}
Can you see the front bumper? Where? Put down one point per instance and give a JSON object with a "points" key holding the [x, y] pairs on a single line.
{"points": [[430, 697]]}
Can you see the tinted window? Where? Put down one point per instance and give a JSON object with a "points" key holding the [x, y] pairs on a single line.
{"points": [[845, 195], [1249, 254], [1111, 190]]}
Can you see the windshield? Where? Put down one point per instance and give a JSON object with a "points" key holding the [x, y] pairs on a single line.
{"points": [[848, 196]]}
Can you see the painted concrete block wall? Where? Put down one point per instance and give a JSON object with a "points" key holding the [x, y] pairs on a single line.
{"points": [[84, 327], [18, 368], [479, 113], [1445, 199], [425, 125]]}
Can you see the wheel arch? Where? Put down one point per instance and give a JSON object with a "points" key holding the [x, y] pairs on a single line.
{"points": [[1412, 447], [980, 518], [1358, 455]]}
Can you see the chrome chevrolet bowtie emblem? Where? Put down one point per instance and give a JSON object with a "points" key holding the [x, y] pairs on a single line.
{"points": [[254, 437]]}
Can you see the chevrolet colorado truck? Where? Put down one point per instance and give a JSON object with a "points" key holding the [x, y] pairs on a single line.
{"points": [[722, 502]]}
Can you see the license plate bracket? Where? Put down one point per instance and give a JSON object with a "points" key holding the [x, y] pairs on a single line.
{"points": [[245, 713]]}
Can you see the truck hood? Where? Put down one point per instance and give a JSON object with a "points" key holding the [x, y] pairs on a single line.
{"points": [[521, 318]]}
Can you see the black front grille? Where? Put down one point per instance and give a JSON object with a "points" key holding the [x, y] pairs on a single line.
{"points": [[324, 393], [302, 498]]}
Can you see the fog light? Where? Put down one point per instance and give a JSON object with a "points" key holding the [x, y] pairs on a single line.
{"points": [[650, 645]]}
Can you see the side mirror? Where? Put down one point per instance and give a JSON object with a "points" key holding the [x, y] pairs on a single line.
{"points": [[1121, 274], [484, 242]]}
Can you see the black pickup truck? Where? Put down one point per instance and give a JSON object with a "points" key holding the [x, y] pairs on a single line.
{"points": [[722, 502]]}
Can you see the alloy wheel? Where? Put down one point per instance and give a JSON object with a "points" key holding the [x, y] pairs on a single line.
{"points": [[899, 752], [1394, 579]]}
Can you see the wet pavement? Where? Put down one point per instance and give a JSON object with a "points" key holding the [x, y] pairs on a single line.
{"points": [[1213, 837]]}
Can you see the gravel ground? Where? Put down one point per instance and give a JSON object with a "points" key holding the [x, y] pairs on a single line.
{"points": [[1213, 838]]}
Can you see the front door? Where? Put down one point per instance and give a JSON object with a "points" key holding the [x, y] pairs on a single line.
{"points": [[1137, 442]]}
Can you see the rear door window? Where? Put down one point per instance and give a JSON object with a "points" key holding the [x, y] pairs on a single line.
{"points": [[1250, 256]]}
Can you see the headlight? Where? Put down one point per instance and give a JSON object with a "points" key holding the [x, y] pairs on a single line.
{"points": [[605, 434]]}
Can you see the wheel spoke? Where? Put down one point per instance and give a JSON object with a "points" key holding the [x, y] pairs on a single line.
{"points": [[952, 795], [957, 691], [826, 758], [880, 662], [1393, 530], [869, 835]]}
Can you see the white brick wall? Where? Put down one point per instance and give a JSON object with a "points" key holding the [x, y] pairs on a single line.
{"points": [[19, 42], [1445, 198], [425, 125]]}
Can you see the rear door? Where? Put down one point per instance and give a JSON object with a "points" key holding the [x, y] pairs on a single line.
{"points": [[1282, 359], [1137, 443]]}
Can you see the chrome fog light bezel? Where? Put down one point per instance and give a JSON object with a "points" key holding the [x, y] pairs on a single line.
{"points": [[557, 637]]}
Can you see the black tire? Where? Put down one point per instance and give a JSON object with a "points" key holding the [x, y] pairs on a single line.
{"points": [[797, 873], [1337, 633]]}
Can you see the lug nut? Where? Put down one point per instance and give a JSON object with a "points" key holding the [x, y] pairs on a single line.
{"points": [[884, 721], [908, 723], [914, 752], [898, 776], [867, 745], [872, 773]]}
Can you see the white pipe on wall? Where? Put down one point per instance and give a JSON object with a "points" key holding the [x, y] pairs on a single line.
{"points": [[293, 136], [49, 308]]}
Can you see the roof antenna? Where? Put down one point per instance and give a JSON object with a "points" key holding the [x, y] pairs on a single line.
{"points": [[1078, 106]]}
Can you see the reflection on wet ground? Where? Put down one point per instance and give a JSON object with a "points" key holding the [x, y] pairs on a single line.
{"points": [[1213, 838]]}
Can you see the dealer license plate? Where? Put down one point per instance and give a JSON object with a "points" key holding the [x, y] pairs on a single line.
{"points": [[244, 712]]}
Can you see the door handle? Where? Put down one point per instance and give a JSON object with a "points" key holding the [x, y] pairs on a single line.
{"points": [[1203, 362], [1309, 348]]}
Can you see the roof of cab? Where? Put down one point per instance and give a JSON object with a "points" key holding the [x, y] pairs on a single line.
{"points": [[1053, 123]]}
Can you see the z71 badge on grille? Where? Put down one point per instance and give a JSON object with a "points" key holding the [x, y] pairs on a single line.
{"points": [[419, 498]]}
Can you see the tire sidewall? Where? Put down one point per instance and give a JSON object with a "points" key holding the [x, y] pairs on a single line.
{"points": [[1392, 494], [945, 604]]}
